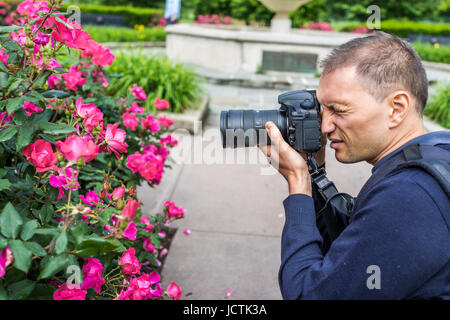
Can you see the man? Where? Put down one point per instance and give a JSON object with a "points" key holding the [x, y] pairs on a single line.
{"points": [[397, 243], [172, 11]]}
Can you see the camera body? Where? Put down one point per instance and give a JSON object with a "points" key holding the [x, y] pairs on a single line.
{"points": [[297, 118]]}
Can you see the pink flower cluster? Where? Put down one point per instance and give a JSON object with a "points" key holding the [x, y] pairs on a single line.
{"points": [[172, 211], [217, 19], [317, 26], [145, 286], [157, 21], [149, 164], [92, 278]]}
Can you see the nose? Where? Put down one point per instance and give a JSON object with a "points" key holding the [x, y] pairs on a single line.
{"points": [[328, 125]]}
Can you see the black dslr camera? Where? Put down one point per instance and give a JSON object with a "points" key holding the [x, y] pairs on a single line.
{"points": [[298, 120]]}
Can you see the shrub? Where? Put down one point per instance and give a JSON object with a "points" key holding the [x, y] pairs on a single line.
{"points": [[158, 75], [133, 15], [71, 158], [217, 19], [438, 109], [434, 53], [118, 34], [404, 28]]}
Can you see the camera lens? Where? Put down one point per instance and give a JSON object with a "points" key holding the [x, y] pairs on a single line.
{"points": [[245, 128]]}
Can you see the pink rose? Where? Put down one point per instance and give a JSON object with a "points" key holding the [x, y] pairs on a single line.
{"points": [[100, 55], [4, 57], [130, 209], [174, 291], [165, 122], [92, 273], [64, 293], [6, 258], [66, 179], [74, 37], [135, 108], [161, 104], [118, 193], [135, 162], [130, 231], [53, 81], [130, 121], [31, 108], [75, 147], [152, 170], [173, 211], [130, 264], [148, 245], [138, 92], [41, 155], [150, 123], [73, 78], [90, 199], [169, 140], [116, 139]]}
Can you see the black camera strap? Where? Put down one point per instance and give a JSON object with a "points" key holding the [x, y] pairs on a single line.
{"points": [[343, 202]]}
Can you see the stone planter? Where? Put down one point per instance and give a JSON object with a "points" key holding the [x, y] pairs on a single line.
{"points": [[191, 119]]}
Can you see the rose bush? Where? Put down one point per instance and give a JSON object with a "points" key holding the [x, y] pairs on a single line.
{"points": [[71, 158]]}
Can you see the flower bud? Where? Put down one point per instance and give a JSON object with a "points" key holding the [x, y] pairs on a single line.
{"points": [[131, 192], [29, 43], [120, 204]]}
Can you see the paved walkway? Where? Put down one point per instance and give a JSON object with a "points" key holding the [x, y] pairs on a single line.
{"points": [[235, 213]]}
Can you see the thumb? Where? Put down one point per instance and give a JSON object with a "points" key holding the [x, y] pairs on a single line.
{"points": [[272, 131]]}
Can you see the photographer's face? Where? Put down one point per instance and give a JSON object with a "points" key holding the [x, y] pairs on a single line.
{"points": [[353, 120]]}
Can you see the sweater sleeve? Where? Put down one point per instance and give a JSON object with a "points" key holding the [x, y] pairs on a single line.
{"points": [[402, 234]]}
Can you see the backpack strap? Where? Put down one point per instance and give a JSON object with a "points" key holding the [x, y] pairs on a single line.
{"points": [[432, 159], [433, 163]]}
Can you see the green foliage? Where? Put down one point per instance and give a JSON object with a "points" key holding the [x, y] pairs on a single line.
{"points": [[133, 15], [406, 27], [328, 10], [160, 78], [438, 109], [118, 34], [433, 53]]}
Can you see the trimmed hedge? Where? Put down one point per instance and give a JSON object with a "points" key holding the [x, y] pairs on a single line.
{"points": [[433, 53], [120, 34], [438, 109], [133, 15], [406, 27]]}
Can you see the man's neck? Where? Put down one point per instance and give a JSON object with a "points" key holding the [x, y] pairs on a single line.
{"points": [[397, 143]]}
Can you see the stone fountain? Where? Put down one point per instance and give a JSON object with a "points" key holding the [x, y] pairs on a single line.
{"points": [[282, 8], [232, 49]]}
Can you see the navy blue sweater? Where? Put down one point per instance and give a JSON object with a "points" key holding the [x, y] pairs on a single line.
{"points": [[399, 227]]}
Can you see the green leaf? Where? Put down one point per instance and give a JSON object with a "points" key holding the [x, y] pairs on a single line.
{"points": [[47, 232], [36, 248], [21, 290], [28, 229], [61, 242], [10, 221], [78, 232], [24, 137], [53, 265], [3, 243], [55, 94], [46, 213], [8, 29], [55, 128], [11, 45], [4, 184], [22, 256], [95, 245], [3, 294], [47, 138], [14, 104], [60, 70], [20, 116], [7, 134]]}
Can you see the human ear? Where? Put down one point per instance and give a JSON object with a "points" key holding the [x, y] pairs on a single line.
{"points": [[400, 105]]}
